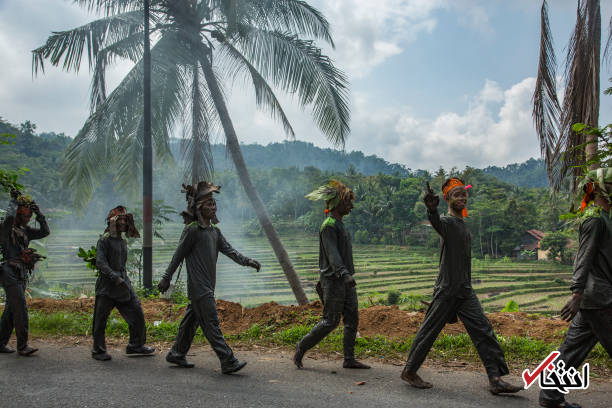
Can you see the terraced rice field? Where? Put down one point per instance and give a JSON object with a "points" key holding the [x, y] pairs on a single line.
{"points": [[536, 286]]}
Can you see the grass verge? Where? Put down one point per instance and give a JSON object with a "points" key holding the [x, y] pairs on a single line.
{"points": [[520, 352]]}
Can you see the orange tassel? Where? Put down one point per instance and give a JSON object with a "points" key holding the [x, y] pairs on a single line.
{"points": [[588, 196], [327, 211], [464, 213]]}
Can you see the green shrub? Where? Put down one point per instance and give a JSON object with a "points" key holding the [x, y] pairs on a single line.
{"points": [[393, 297], [511, 306]]}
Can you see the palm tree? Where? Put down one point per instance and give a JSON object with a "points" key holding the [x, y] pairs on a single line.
{"points": [[199, 43], [560, 145]]}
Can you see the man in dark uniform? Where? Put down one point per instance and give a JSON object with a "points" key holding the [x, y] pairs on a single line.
{"points": [[453, 294], [18, 261], [199, 246], [590, 307], [337, 270], [114, 289]]}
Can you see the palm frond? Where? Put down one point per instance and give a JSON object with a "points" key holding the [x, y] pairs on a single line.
{"points": [[608, 43], [581, 100], [131, 48], [66, 48], [108, 7], [298, 67], [546, 109], [294, 16], [115, 128], [264, 95]]}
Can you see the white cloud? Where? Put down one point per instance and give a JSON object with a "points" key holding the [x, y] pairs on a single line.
{"points": [[367, 33], [496, 129]]}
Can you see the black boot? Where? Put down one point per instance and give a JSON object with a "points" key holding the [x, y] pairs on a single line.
{"points": [[27, 351], [180, 361], [101, 356], [354, 364], [6, 349], [561, 404], [499, 386], [141, 350], [234, 367]]}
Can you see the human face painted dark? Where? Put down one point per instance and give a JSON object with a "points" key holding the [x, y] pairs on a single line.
{"points": [[345, 206], [457, 198], [122, 223], [208, 208], [23, 219]]}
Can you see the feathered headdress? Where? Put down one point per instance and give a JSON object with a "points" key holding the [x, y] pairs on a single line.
{"points": [[331, 193]]}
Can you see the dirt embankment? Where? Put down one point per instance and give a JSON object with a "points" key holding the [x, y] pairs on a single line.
{"points": [[388, 321]]}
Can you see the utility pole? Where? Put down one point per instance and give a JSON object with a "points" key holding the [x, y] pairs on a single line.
{"points": [[147, 161]]}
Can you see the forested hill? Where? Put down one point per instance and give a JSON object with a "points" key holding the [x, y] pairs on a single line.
{"points": [[531, 173], [42, 153], [301, 154]]}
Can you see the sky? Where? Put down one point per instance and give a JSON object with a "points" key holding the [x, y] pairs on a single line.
{"points": [[432, 82]]}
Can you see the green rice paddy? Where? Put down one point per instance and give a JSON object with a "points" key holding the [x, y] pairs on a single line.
{"points": [[535, 286]]}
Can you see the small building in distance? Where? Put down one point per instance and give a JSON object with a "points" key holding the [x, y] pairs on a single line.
{"points": [[529, 248]]}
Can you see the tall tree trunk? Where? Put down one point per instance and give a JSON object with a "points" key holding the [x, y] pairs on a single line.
{"points": [[195, 128], [147, 162], [592, 109], [264, 219]]}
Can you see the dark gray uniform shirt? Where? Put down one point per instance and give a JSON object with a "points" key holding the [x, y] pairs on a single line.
{"points": [[111, 257], [335, 250], [455, 276], [593, 265], [13, 241], [200, 247]]}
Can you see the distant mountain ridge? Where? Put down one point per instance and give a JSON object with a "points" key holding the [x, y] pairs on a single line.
{"points": [[300, 154], [29, 147], [531, 173]]}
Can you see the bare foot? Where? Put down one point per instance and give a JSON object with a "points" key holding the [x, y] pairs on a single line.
{"points": [[414, 380], [297, 357]]}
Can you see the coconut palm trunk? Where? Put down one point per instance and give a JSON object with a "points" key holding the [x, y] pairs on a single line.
{"points": [[262, 215]]}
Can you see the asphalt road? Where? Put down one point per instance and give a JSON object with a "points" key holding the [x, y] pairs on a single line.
{"points": [[66, 376]]}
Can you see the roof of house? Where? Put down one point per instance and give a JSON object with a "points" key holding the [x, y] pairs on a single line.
{"points": [[537, 234]]}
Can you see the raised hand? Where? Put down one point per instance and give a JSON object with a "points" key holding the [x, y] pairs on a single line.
{"points": [[35, 209], [430, 199], [571, 307], [254, 264]]}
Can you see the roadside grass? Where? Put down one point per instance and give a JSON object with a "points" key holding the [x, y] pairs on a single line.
{"points": [[520, 352]]}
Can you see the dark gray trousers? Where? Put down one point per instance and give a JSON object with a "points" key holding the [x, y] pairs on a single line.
{"points": [[131, 311], [340, 301], [15, 316], [203, 312], [587, 328], [469, 310]]}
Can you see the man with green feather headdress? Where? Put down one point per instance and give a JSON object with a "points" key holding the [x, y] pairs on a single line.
{"points": [[337, 270], [590, 307]]}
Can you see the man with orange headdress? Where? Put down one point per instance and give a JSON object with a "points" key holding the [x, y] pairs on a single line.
{"points": [[337, 269], [590, 307], [17, 262], [453, 295], [113, 287]]}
